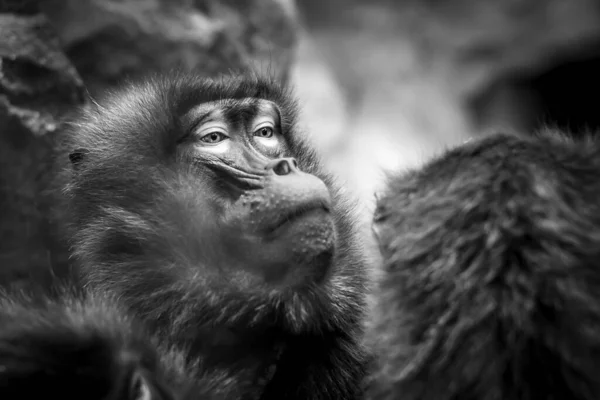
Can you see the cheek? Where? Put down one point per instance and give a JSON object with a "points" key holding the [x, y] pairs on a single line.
{"points": [[221, 148], [270, 147]]}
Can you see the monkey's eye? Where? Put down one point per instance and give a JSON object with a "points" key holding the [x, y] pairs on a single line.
{"points": [[265, 132], [213, 137]]}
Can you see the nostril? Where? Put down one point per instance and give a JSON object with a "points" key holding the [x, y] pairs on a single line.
{"points": [[283, 166]]}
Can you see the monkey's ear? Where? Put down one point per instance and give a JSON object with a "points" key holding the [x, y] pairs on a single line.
{"points": [[77, 157]]}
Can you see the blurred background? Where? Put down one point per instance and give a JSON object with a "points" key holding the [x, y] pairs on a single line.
{"points": [[383, 84]]}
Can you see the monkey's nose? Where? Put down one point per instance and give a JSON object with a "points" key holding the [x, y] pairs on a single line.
{"points": [[283, 166]]}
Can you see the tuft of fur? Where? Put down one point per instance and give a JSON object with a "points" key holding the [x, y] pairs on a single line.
{"points": [[73, 349], [490, 284], [140, 230]]}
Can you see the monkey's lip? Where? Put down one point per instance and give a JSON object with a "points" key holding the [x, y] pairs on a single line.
{"points": [[296, 214]]}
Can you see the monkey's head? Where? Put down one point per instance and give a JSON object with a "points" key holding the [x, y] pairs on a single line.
{"points": [[198, 201]]}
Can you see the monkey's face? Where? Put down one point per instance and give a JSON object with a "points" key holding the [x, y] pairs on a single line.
{"points": [[274, 220]]}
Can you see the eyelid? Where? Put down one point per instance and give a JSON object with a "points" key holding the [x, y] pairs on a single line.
{"points": [[263, 124], [207, 128]]}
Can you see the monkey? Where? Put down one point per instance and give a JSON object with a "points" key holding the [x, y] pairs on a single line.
{"points": [[77, 348], [199, 204], [490, 280]]}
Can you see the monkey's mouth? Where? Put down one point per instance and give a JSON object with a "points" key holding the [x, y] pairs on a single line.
{"points": [[317, 209]]}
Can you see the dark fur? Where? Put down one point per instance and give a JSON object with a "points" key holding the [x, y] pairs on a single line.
{"points": [[83, 349], [140, 230], [491, 283]]}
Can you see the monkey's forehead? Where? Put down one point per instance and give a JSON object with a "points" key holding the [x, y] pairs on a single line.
{"points": [[248, 106]]}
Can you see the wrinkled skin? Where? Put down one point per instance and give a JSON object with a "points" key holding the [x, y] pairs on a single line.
{"points": [[265, 201]]}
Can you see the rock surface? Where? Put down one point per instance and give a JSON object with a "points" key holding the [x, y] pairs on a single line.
{"points": [[108, 40]]}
